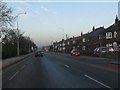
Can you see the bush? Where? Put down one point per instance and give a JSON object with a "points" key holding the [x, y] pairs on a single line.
{"points": [[8, 52]]}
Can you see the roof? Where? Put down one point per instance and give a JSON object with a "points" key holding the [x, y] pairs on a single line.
{"points": [[111, 28], [97, 31]]}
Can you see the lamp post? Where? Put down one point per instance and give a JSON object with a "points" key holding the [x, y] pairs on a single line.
{"points": [[62, 32], [18, 51], [62, 39]]}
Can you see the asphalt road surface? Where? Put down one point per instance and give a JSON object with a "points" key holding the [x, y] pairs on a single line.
{"points": [[58, 71]]}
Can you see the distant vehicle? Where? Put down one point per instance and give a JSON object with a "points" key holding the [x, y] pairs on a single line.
{"points": [[101, 50], [38, 53], [75, 53]]}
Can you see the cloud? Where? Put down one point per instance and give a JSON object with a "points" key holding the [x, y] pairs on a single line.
{"points": [[22, 7], [53, 12], [46, 9]]}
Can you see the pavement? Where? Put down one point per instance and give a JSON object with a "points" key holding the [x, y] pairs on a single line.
{"points": [[55, 70], [10, 61]]}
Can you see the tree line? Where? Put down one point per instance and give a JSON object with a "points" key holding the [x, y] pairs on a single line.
{"points": [[9, 35]]}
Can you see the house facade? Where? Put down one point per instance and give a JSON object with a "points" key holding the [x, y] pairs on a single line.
{"points": [[87, 42], [113, 34]]}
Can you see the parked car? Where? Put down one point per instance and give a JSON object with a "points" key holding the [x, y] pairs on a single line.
{"points": [[101, 50], [38, 53], [75, 53], [111, 49]]}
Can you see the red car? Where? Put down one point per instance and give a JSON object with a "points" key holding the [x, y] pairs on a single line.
{"points": [[75, 53]]}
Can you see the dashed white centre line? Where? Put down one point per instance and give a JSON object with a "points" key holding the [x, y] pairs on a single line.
{"points": [[14, 75], [66, 66], [98, 82], [22, 67]]}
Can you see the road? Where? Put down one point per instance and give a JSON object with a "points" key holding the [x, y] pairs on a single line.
{"points": [[58, 71]]}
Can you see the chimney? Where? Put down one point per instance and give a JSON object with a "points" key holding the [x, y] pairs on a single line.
{"points": [[116, 20], [93, 28], [81, 33], [66, 36]]}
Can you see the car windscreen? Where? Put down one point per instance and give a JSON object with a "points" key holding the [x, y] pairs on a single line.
{"points": [[75, 51], [104, 49]]}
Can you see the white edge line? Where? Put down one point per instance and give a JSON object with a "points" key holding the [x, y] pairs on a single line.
{"points": [[97, 81], [58, 1], [14, 75]]}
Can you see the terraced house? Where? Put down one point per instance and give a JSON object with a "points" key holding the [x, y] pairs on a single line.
{"points": [[87, 42]]}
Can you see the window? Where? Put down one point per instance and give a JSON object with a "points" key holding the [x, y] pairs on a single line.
{"points": [[83, 48], [100, 37], [83, 39], [55, 46], [109, 45], [63, 44], [115, 34], [114, 43], [68, 43], [74, 42], [63, 48], [108, 35]]}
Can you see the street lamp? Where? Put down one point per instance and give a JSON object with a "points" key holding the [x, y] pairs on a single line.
{"points": [[62, 39], [62, 32], [18, 32]]}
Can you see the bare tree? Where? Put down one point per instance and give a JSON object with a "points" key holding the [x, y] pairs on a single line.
{"points": [[10, 36], [6, 17]]}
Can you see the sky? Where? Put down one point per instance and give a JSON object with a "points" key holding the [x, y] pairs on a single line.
{"points": [[47, 22]]}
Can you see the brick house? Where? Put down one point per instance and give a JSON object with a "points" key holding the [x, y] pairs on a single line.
{"points": [[55, 46], [118, 31], [71, 43], [68, 45], [86, 43], [112, 34], [97, 37]]}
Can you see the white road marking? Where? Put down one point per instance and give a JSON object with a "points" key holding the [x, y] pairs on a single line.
{"points": [[14, 75], [66, 66], [97, 81], [22, 67]]}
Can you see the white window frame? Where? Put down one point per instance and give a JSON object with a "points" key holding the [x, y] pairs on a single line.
{"points": [[108, 35], [63, 44], [64, 48], [68, 43], [83, 39], [115, 34], [74, 42], [100, 37], [83, 48], [109, 45]]}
